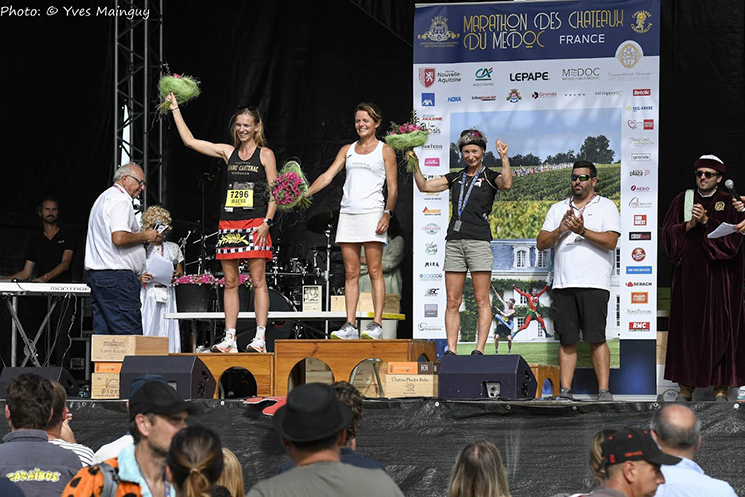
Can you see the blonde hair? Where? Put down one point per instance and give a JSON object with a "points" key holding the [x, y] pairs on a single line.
{"points": [[154, 214], [596, 454], [232, 475], [259, 137], [479, 472]]}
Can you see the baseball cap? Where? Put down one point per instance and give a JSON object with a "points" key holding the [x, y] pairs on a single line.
{"points": [[158, 397], [633, 444]]}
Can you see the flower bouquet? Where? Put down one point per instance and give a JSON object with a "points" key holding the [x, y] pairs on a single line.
{"points": [[288, 190], [195, 279], [405, 137], [194, 292], [243, 279], [183, 87]]}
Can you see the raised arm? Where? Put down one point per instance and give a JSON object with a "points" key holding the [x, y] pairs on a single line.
{"points": [[219, 150], [432, 186], [504, 182], [325, 179]]}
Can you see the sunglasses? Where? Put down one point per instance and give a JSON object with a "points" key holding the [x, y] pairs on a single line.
{"points": [[581, 177], [706, 174]]}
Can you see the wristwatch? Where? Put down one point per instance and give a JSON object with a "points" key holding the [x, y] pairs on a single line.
{"points": [[268, 222], [389, 212]]}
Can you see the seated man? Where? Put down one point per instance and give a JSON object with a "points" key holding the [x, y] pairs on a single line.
{"points": [[58, 428], [312, 428]]}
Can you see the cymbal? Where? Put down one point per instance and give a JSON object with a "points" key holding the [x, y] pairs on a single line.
{"points": [[323, 221]]}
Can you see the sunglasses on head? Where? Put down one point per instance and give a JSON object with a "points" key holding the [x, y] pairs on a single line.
{"points": [[706, 174], [581, 177]]}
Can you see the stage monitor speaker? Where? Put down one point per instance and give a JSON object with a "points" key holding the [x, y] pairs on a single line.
{"points": [[503, 377], [187, 374], [60, 375]]}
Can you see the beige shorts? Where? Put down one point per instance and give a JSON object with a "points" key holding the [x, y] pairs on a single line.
{"points": [[462, 256]]}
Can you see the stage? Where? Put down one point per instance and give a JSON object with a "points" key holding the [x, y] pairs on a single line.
{"points": [[544, 443]]}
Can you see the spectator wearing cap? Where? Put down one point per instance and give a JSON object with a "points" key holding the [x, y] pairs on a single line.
{"points": [[156, 413], [58, 428], [704, 347], [312, 428], [112, 449], [348, 393], [677, 430], [631, 460], [39, 469]]}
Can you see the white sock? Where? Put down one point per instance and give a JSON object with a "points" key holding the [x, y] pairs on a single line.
{"points": [[230, 334], [260, 332]]}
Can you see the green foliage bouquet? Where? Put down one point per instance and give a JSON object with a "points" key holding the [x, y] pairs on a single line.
{"points": [[405, 137], [183, 87]]}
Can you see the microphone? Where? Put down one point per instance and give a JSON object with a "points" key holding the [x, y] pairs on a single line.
{"points": [[731, 187]]}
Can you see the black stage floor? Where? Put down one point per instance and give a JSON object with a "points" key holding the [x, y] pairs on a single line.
{"points": [[544, 443]]}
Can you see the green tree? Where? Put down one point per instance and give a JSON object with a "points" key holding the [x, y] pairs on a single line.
{"points": [[597, 150]]}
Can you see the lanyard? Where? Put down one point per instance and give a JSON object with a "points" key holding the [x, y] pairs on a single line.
{"points": [[571, 204], [463, 201], [120, 188]]}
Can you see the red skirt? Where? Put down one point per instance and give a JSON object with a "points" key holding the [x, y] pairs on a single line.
{"points": [[237, 240]]}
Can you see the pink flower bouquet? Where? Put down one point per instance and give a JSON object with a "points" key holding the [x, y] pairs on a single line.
{"points": [[405, 137], [288, 190]]}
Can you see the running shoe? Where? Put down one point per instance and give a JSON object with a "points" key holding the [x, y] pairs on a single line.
{"points": [[373, 331], [256, 345], [346, 332], [227, 346], [604, 396]]}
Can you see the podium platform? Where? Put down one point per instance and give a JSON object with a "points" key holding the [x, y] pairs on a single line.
{"points": [[342, 356], [261, 366]]}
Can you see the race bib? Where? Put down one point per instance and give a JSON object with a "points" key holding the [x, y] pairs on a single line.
{"points": [[161, 294], [240, 196]]}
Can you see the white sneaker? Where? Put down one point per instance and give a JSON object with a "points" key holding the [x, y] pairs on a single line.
{"points": [[202, 349], [227, 346], [256, 345], [346, 332], [373, 331]]}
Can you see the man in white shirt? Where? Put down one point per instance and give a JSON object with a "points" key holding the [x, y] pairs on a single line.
{"points": [[114, 255], [677, 430], [583, 230]]}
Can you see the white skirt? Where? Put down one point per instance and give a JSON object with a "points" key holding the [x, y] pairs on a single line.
{"points": [[359, 228]]}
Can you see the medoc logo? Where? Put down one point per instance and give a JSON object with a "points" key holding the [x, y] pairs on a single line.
{"points": [[426, 76], [439, 35], [580, 74], [629, 53]]}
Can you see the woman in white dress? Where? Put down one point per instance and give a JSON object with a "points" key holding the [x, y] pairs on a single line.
{"points": [[159, 299]]}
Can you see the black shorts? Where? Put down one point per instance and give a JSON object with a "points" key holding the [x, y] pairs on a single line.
{"points": [[576, 309]]}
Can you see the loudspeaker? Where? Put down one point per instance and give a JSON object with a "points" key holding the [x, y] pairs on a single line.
{"points": [[60, 375], [503, 377], [187, 374]]}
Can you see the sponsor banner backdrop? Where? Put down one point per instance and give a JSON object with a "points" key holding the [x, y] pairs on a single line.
{"points": [[544, 77]]}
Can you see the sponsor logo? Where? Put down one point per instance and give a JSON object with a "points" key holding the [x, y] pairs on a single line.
{"points": [[433, 130], [629, 75], [635, 203], [640, 172], [638, 283], [431, 146], [450, 76], [426, 76], [431, 118], [431, 228], [543, 94], [430, 310], [430, 248], [432, 264], [638, 108], [431, 212], [640, 236], [638, 269], [430, 277], [649, 124], [483, 76], [485, 98], [640, 219], [575, 94], [615, 93], [640, 297], [514, 96], [641, 21], [432, 292], [636, 188], [439, 35], [453, 99], [629, 53], [423, 326], [639, 326], [428, 99], [529, 76], [590, 39], [432, 162], [639, 312], [641, 158], [580, 74], [638, 254], [641, 142], [646, 124], [642, 92]]}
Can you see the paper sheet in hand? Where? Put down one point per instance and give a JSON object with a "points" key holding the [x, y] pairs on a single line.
{"points": [[161, 269], [723, 229]]}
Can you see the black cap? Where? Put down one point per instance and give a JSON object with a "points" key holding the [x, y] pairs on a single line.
{"points": [[633, 444], [158, 397], [312, 413]]}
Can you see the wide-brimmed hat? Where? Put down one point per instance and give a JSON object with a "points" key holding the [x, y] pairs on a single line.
{"points": [[312, 412], [158, 397], [633, 444]]}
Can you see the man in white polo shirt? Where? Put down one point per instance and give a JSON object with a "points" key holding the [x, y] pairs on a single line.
{"points": [[583, 230], [114, 255]]}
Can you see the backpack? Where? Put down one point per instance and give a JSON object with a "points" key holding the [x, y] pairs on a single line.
{"points": [[110, 480]]}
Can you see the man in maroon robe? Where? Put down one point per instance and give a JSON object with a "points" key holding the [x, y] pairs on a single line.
{"points": [[705, 346]]}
